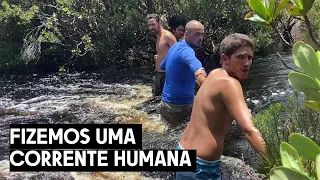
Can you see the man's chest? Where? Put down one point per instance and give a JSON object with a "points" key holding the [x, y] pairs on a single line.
{"points": [[161, 45]]}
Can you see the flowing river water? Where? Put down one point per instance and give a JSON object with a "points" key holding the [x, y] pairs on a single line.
{"points": [[124, 97]]}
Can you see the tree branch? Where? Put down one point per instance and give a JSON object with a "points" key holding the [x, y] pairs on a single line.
{"points": [[246, 169], [286, 64], [310, 31], [279, 34]]}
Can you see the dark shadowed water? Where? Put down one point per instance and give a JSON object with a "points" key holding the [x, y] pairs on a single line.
{"points": [[100, 97]]}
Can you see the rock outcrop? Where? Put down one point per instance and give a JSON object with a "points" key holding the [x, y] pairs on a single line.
{"points": [[231, 169]]}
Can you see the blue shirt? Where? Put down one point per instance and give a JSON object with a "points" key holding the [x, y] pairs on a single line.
{"points": [[180, 65]]}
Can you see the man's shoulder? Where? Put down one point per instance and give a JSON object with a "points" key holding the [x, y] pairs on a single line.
{"points": [[180, 46], [168, 35], [183, 46], [229, 81], [228, 86], [223, 80]]}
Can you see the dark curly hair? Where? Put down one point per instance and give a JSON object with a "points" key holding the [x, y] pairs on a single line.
{"points": [[176, 21]]}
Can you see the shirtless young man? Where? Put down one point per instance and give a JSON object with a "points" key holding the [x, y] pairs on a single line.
{"points": [[165, 39], [218, 102]]}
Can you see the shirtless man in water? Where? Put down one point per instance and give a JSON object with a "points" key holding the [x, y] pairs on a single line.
{"points": [[219, 101], [165, 39]]}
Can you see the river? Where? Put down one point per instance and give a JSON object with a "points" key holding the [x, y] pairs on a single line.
{"points": [[124, 97]]}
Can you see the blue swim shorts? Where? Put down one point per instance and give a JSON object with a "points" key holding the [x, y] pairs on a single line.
{"points": [[205, 170]]}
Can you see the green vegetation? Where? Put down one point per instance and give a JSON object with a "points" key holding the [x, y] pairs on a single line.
{"points": [[314, 17], [292, 167], [307, 81], [96, 34], [277, 122]]}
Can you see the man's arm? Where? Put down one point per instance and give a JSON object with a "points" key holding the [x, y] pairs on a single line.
{"points": [[232, 95], [189, 57]]}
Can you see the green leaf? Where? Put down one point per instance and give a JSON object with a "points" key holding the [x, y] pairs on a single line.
{"points": [[281, 5], [313, 94], [299, 3], [301, 7], [306, 59], [318, 55], [295, 11], [318, 165], [314, 105], [266, 4], [254, 18], [270, 6], [305, 146], [259, 9], [290, 157], [284, 173], [302, 82], [307, 5], [271, 10]]}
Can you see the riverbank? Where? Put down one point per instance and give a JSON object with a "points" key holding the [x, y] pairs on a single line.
{"points": [[117, 108], [231, 168], [75, 99], [125, 97]]}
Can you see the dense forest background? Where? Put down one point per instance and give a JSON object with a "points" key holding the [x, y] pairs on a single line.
{"points": [[74, 35]]}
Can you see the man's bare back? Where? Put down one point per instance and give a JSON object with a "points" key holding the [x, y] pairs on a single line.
{"points": [[164, 41], [208, 127]]}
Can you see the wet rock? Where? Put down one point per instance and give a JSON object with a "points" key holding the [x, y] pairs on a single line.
{"points": [[2, 111], [235, 169], [231, 168], [35, 100], [161, 175], [150, 106], [37, 176], [5, 174]]}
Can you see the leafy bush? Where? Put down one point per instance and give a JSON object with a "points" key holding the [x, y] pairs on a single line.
{"points": [[279, 120], [9, 56], [80, 34], [292, 168]]}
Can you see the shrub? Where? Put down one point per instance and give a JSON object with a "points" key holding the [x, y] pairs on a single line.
{"points": [[279, 120]]}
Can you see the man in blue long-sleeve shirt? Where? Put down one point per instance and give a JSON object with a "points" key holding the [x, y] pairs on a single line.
{"points": [[183, 70]]}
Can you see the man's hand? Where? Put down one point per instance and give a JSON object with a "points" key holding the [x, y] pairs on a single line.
{"points": [[201, 76], [201, 71]]}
